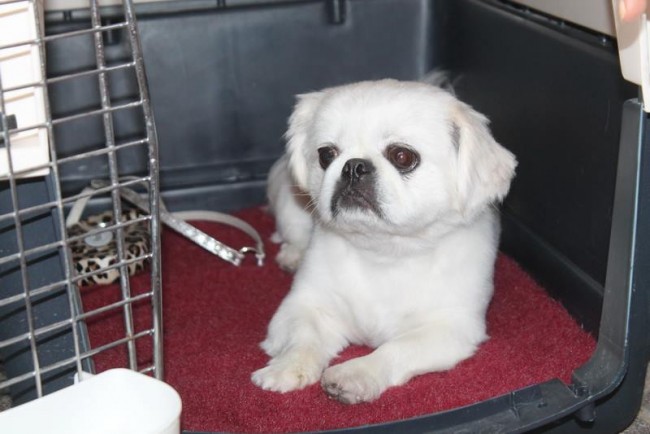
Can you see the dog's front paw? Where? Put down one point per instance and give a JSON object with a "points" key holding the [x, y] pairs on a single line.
{"points": [[352, 382], [285, 374]]}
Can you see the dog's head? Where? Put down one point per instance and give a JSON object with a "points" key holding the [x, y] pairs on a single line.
{"points": [[393, 155]]}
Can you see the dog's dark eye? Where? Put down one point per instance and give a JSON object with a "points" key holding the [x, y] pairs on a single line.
{"points": [[404, 159], [326, 155]]}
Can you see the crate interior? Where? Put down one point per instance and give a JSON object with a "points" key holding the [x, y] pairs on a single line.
{"points": [[223, 76], [552, 91], [223, 81]]}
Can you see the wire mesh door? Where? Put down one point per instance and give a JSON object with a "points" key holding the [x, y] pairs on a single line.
{"points": [[67, 122]]}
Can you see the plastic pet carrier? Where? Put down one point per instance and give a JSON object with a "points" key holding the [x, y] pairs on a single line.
{"points": [[221, 77]]}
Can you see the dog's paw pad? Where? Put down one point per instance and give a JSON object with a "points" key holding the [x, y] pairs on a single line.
{"points": [[335, 391], [283, 377], [350, 385]]}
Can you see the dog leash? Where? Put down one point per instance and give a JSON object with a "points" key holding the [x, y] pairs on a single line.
{"points": [[178, 222]]}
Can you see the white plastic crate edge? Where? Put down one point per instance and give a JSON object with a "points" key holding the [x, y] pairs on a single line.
{"points": [[634, 51], [20, 65], [63, 5], [117, 401]]}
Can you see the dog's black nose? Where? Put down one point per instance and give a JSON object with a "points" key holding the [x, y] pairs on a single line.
{"points": [[356, 168]]}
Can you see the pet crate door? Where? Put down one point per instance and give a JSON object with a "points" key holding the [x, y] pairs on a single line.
{"points": [[22, 111]]}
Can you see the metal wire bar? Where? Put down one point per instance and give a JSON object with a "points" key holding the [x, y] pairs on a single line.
{"points": [[146, 370], [76, 157], [73, 360], [108, 346], [116, 343], [154, 188], [16, 339], [120, 264], [103, 151], [101, 111], [109, 131], [59, 284], [113, 227], [115, 305], [60, 325], [77, 117], [61, 243], [32, 293], [70, 199], [91, 72], [61, 78], [50, 38]]}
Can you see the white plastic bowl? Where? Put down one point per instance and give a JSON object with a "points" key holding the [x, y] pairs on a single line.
{"points": [[118, 401]]}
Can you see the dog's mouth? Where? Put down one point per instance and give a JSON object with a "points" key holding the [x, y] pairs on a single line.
{"points": [[355, 189], [347, 197]]}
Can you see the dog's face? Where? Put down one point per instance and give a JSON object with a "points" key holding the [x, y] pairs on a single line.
{"points": [[394, 156]]}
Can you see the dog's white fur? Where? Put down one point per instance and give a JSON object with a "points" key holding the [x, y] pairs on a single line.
{"points": [[414, 282]]}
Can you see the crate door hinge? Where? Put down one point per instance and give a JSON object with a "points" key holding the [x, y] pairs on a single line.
{"points": [[7, 123], [634, 51]]}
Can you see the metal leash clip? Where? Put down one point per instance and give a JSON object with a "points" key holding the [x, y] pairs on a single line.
{"points": [[178, 222], [258, 255]]}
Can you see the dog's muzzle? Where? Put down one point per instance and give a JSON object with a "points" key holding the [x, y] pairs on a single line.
{"points": [[355, 188]]}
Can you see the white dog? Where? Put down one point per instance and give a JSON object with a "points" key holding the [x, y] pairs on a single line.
{"points": [[396, 248]]}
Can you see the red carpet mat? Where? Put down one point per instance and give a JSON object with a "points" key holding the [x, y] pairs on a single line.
{"points": [[215, 315]]}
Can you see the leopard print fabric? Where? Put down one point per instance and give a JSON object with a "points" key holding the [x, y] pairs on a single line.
{"points": [[96, 253]]}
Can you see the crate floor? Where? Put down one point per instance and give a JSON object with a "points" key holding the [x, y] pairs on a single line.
{"points": [[215, 315]]}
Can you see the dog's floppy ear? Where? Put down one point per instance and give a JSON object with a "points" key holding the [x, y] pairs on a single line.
{"points": [[297, 134], [485, 168]]}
